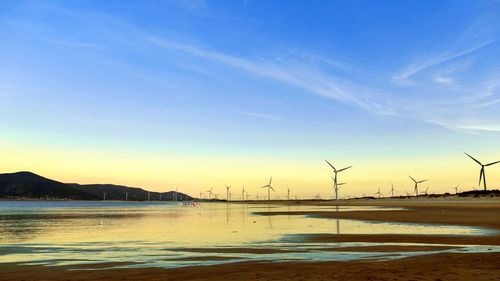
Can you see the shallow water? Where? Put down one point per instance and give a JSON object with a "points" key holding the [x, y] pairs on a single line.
{"points": [[164, 234]]}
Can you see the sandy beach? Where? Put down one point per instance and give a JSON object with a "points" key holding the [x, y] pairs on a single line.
{"points": [[442, 266], [249, 140]]}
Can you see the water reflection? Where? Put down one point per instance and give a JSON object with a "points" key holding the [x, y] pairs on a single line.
{"points": [[338, 221], [150, 232]]}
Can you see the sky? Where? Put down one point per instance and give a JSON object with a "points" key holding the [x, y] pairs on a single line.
{"points": [[195, 94]]}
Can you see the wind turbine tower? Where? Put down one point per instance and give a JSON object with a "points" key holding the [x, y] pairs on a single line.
{"points": [[227, 193]]}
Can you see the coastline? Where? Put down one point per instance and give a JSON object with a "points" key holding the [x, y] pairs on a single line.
{"points": [[429, 266]]}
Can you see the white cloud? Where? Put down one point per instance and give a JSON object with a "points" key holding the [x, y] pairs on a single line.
{"points": [[428, 62], [300, 75], [445, 80], [263, 116], [75, 44], [326, 77], [481, 127]]}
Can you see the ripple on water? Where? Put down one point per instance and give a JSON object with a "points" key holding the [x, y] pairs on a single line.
{"points": [[139, 234]]}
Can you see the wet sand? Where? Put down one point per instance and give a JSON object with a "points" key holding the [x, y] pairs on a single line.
{"points": [[455, 267], [234, 250], [464, 212], [444, 266]]}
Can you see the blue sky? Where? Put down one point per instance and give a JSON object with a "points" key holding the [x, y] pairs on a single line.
{"points": [[349, 80]]}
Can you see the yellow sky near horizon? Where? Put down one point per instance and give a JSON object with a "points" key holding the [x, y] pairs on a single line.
{"points": [[195, 174]]}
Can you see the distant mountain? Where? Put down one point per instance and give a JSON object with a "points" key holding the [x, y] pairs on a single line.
{"points": [[27, 185], [32, 186], [118, 192]]}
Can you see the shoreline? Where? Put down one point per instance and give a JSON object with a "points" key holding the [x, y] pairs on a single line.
{"points": [[429, 266]]}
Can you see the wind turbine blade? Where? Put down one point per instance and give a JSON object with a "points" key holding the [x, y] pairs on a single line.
{"points": [[344, 169], [270, 180], [331, 165], [422, 181], [492, 163], [412, 179], [473, 159], [481, 175], [272, 188]]}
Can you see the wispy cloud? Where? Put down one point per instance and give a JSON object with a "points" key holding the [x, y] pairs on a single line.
{"points": [[481, 127], [75, 44], [316, 73], [445, 80], [263, 116], [428, 62], [300, 75]]}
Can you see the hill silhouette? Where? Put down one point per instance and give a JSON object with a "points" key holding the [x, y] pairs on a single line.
{"points": [[27, 185], [117, 192], [33, 186]]}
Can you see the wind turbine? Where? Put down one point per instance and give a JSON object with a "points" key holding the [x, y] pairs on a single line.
{"points": [[243, 194], [337, 186], [288, 192], [269, 187], [340, 184], [456, 189], [104, 196], [378, 193], [335, 171], [482, 173], [227, 192], [210, 193], [416, 184], [392, 189], [126, 196], [425, 192]]}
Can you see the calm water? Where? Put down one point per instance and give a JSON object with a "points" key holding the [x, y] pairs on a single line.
{"points": [[171, 235]]}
